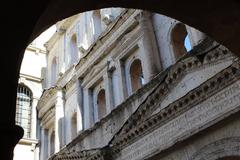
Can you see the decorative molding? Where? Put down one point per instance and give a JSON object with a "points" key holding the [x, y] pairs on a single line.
{"points": [[46, 100], [132, 131], [142, 122], [65, 154], [175, 74], [72, 81]]}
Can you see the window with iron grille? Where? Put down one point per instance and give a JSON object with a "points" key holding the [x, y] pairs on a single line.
{"points": [[23, 109]]}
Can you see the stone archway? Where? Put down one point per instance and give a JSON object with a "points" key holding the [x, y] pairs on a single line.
{"points": [[215, 18], [230, 158], [223, 149]]}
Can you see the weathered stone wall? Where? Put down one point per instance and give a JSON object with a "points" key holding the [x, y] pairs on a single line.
{"points": [[134, 34], [216, 142], [186, 125]]}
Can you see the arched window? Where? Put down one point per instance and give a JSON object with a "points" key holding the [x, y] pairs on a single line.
{"points": [[101, 103], [23, 109], [52, 143], [74, 125], [136, 75], [73, 49], [180, 40], [54, 71], [97, 25]]}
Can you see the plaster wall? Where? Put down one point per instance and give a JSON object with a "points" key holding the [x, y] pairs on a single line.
{"points": [[25, 151], [33, 63]]}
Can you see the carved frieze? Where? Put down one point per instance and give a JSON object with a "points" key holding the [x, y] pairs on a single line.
{"points": [[65, 154], [197, 109], [175, 74]]}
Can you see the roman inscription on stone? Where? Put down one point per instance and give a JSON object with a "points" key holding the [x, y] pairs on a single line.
{"points": [[209, 110]]}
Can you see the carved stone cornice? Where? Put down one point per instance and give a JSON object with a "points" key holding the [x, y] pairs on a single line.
{"points": [[48, 118], [132, 131], [66, 76], [65, 154], [47, 95], [71, 82], [187, 64]]}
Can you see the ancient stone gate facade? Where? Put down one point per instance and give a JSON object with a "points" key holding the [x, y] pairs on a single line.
{"points": [[134, 92]]}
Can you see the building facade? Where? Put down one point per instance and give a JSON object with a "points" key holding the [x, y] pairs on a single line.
{"points": [[121, 84], [29, 91]]}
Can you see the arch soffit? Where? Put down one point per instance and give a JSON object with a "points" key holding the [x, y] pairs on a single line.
{"points": [[222, 148]]}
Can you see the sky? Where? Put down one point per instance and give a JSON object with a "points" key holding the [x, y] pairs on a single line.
{"points": [[187, 43]]}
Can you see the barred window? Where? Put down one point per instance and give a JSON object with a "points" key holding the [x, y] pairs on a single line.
{"points": [[23, 109]]}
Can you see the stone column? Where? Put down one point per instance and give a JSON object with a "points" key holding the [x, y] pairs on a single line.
{"points": [[109, 91], [59, 121], [122, 80], [34, 118], [80, 106], [151, 63], [43, 153], [49, 143], [88, 108]]}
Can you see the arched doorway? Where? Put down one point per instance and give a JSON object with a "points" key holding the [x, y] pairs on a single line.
{"points": [[40, 17]]}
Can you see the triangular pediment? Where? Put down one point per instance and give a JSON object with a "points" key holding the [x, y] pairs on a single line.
{"points": [[183, 78]]}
